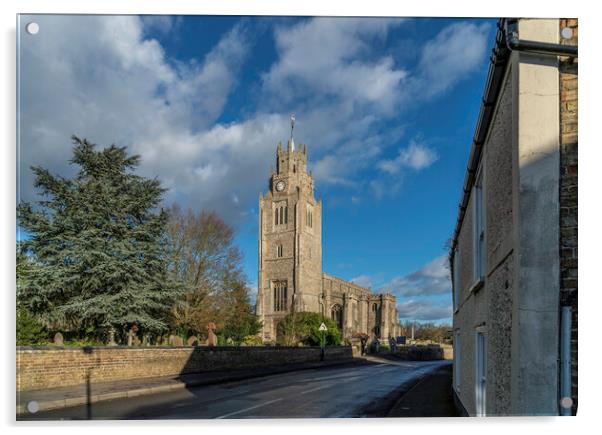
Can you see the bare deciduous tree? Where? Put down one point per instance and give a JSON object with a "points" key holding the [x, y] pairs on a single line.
{"points": [[204, 256]]}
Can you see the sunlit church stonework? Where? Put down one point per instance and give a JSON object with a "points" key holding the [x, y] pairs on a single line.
{"points": [[290, 259]]}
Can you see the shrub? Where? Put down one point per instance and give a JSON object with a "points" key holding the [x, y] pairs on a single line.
{"points": [[304, 328], [29, 331]]}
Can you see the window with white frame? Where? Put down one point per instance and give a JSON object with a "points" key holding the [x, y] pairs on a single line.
{"points": [[479, 228], [456, 278], [279, 251], [481, 375], [457, 353]]}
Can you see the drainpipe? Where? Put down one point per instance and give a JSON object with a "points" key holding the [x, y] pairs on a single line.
{"points": [[565, 361], [546, 48]]}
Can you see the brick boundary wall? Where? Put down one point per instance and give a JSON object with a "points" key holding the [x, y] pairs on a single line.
{"points": [[50, 367], [568, 190]]}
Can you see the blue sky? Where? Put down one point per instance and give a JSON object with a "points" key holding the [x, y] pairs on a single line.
{"points": [[387, 108]]}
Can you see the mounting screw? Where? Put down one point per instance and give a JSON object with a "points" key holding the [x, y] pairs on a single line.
{"points": [[566, 33], [32, 28]]}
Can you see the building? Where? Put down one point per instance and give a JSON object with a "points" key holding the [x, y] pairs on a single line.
{"points": [[514, 250], [290, 260]]}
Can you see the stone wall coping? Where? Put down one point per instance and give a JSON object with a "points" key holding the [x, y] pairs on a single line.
{"points": [[204, 348]]}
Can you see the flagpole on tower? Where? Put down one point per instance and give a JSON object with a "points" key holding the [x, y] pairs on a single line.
{"points": [[292, 128]]}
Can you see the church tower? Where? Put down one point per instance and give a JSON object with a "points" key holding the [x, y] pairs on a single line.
{"points": [[290, 241]]}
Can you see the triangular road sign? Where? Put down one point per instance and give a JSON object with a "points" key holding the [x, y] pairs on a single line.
{"points": [[323, 327]]}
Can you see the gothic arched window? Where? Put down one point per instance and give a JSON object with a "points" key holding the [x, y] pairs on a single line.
{"points": [[280, 295], [336, 314]]}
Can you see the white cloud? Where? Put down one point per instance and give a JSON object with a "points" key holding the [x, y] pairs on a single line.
{"points": [[323, 54], [424, 310], [415, 156], [102, 78], [363, 281], [321, 60], [432, 279], [99, 77], [452, 55], [163, 24], [330, 170]]}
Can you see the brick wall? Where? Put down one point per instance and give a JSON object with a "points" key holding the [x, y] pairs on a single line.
{"points": [[568, 190], [49, 367]]}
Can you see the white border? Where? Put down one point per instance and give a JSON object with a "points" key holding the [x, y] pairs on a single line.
{"points": [[590, 218]]}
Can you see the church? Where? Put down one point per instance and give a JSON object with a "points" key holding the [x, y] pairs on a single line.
{"points": [[290, 259]]}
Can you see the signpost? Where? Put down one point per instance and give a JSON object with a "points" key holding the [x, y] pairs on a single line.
{"points": [[322, 329]]}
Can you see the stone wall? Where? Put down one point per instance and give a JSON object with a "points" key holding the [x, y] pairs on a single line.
{"points": [[49, 367], [420, 353], [568, 191]]}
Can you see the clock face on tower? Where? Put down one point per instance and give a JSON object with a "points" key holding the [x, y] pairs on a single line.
{"points": [[280, 186]]}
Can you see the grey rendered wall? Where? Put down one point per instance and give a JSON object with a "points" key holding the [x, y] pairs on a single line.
{"points": [[489, 307], [536, 292], [499, 279]]}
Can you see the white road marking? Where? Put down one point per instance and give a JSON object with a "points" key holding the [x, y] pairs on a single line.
{"points": [[249, 408], [315, 389]]}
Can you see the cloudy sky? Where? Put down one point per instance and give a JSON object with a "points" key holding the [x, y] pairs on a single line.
{"points": [[387, 108]]}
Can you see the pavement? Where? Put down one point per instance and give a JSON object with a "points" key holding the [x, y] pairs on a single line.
{"points": [[429, 397], [364, 387]]}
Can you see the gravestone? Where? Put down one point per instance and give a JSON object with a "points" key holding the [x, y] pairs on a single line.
{"points": [[132, 338], [58, 339], [193, 341], [112, 337], [211, 337], [175, 340]]}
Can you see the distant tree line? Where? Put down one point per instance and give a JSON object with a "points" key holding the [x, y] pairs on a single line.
{"points": [[427, 331], [102, 256]]}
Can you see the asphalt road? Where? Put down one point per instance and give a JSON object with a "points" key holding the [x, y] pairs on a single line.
{"points": [[339, 391]]}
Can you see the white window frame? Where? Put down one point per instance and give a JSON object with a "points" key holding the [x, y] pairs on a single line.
{"points": [[457, 356], [456, 279], [478, 223], [480, 373]]}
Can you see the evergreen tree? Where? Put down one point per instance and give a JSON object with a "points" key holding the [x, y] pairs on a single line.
{"points": [[98, 245], [29, 329]]}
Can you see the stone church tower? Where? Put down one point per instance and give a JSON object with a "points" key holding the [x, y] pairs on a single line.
{"points": [[290, 260], [290, 242]]}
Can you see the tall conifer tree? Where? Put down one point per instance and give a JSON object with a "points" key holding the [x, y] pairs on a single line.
{"points": [[98, 245]]}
